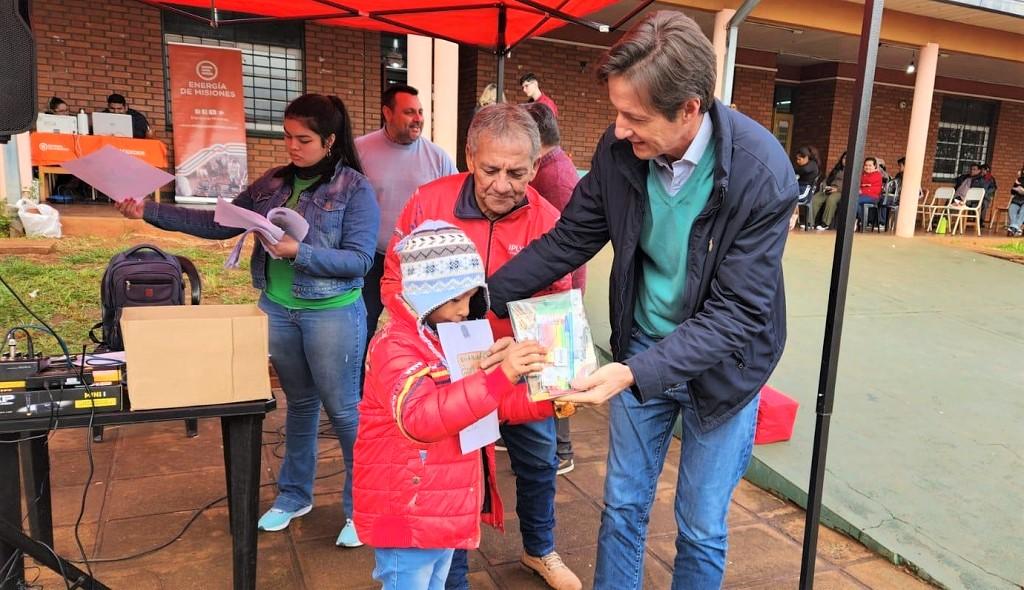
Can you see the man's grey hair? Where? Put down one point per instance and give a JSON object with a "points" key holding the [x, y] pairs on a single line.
{"points": [[502, 120], [667, 59]]}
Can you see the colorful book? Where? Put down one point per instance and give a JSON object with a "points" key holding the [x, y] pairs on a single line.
{"points": [[559, 323]]}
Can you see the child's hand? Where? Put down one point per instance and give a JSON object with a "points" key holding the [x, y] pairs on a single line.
{"points": [[523, 358], [497, 353]]}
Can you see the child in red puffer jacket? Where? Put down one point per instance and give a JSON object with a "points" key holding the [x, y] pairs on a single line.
{"points": [[417, 497]]}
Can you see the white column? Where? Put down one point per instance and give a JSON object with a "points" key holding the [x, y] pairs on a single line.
{"points": [[719, 35], [24, 161], [917, 138], [420, 64], [446, 96]]}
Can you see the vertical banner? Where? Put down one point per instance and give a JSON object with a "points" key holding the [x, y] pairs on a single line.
{"points": [[208, 117]]}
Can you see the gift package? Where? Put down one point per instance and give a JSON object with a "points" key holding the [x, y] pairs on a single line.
{"points": [[559, 323]]}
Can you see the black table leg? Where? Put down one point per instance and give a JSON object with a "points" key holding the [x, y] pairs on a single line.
{"points": [[35, 469], [242, 443], [12, 567], [224, 433]]}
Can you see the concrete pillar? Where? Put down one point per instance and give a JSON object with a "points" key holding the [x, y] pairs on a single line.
{"points": [[917, 138], [446, 96], [718, 38], [420, 64]]}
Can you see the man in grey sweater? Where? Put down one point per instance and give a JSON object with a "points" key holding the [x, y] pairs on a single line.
{"points": [[397, 160]]}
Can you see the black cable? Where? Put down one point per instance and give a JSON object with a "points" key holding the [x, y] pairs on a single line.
{"points": [[191, 520], [52, 426], [85, 560]]}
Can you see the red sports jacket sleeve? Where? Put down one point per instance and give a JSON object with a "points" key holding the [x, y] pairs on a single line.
{"points": [[516, 407], [426, 406]]}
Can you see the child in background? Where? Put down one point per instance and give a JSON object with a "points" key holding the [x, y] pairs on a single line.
{"points": [[417, 496], [870, 190]]}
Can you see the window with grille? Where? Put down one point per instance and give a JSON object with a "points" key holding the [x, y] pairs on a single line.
{"points": [[272, 63], [966, 131]]}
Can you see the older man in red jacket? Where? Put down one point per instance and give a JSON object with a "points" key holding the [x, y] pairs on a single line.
{"points": [[495, 206]]}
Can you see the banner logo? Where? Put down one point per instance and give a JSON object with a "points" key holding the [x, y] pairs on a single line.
{"points": [[206, 69]]}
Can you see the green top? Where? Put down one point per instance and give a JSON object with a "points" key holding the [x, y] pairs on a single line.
{"points": [[280, 273], [659, 305]]}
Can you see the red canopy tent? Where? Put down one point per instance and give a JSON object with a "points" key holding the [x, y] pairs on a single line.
{"points": [[496, 26]]}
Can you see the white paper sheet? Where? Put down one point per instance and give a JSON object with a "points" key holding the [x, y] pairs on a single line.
{"points": [[280, 221], [117, 174], [464, 345]]}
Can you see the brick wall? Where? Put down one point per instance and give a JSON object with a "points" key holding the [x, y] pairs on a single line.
{"points": [[812, 120], [346, 63], [87, 50], [754, 94], [583, 108], [1008, 153]]}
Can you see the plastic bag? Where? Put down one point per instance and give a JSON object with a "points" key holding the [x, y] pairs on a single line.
{"points": [[39, 220], [559, 323]]}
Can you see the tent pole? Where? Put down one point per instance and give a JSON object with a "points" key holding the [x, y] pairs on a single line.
{"points": [[501, 50], [867, 57]]}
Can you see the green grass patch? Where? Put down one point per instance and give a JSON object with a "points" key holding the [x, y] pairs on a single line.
{"points": [[64, 288], [1014, 247]]}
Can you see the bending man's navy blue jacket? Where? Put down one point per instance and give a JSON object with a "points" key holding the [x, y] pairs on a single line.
{"points": [[734, 299]]}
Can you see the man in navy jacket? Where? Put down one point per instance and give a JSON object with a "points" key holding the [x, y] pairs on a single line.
{"points": [[695, 199]]}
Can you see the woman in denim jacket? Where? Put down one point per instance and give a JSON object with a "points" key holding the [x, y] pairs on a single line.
{"points": [[311, 291]]}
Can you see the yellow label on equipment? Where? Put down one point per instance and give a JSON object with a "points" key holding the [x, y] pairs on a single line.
{"points": [[10, 385], [106, 376], [95, 403]]}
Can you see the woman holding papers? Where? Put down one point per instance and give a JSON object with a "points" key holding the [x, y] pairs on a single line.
{"points": [[311, 289]]}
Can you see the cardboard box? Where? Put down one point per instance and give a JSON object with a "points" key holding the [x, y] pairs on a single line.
{"points": [[193, 355]]}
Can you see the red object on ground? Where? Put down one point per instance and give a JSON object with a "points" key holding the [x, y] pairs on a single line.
{"points": [[776, 414]]}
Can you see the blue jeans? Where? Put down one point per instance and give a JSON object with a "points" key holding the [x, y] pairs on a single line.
{"points": [[710, 467], [531, 449], [1015, 215], [411, 569], [316, 354], [880, 211]]}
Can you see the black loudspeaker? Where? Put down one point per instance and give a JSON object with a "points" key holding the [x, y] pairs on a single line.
{"points": [[17, 71]]}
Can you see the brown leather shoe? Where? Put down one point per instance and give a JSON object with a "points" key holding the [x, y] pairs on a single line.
{"points": [[553, 570]]}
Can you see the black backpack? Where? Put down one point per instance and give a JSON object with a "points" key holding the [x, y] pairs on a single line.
{"points": [[141, 276]]}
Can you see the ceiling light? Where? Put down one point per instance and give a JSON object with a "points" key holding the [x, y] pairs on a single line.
{"points": [[911, 68]]}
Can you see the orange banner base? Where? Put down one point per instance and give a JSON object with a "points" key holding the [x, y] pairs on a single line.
{"points": [[51, 149]]}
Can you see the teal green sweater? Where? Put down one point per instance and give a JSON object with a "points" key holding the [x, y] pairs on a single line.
{"points": [[664, 241]]}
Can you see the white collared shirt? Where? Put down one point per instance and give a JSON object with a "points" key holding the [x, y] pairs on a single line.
{"points": [[672, 175]]}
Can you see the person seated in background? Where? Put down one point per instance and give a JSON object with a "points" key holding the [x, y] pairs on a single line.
{"points": [[827, 199], [57, 106], [990, 189], [807, 165], [870, 191], [116, 103], [965, 182], [1015, 210]]}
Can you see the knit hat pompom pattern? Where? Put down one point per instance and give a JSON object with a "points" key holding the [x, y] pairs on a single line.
{"points": [[439, 263]]}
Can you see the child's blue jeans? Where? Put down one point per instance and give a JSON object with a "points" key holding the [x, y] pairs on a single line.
{"points": [[412, 569]]}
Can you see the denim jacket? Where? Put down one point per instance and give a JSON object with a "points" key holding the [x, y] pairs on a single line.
{"points": [[337, 252]]}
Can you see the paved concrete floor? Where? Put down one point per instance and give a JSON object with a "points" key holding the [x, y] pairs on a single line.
{"points": [[925, 462], [150, 478], [925, 458]]}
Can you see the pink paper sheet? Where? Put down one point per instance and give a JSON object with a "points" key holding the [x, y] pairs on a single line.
{"points": [[118, 175]]}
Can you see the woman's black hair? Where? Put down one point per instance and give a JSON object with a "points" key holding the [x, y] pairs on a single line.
{"points": [[809, 152], [325, 115], [54, 103]]}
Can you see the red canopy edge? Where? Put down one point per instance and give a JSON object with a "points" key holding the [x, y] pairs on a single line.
{"points": [[466, 22]]}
